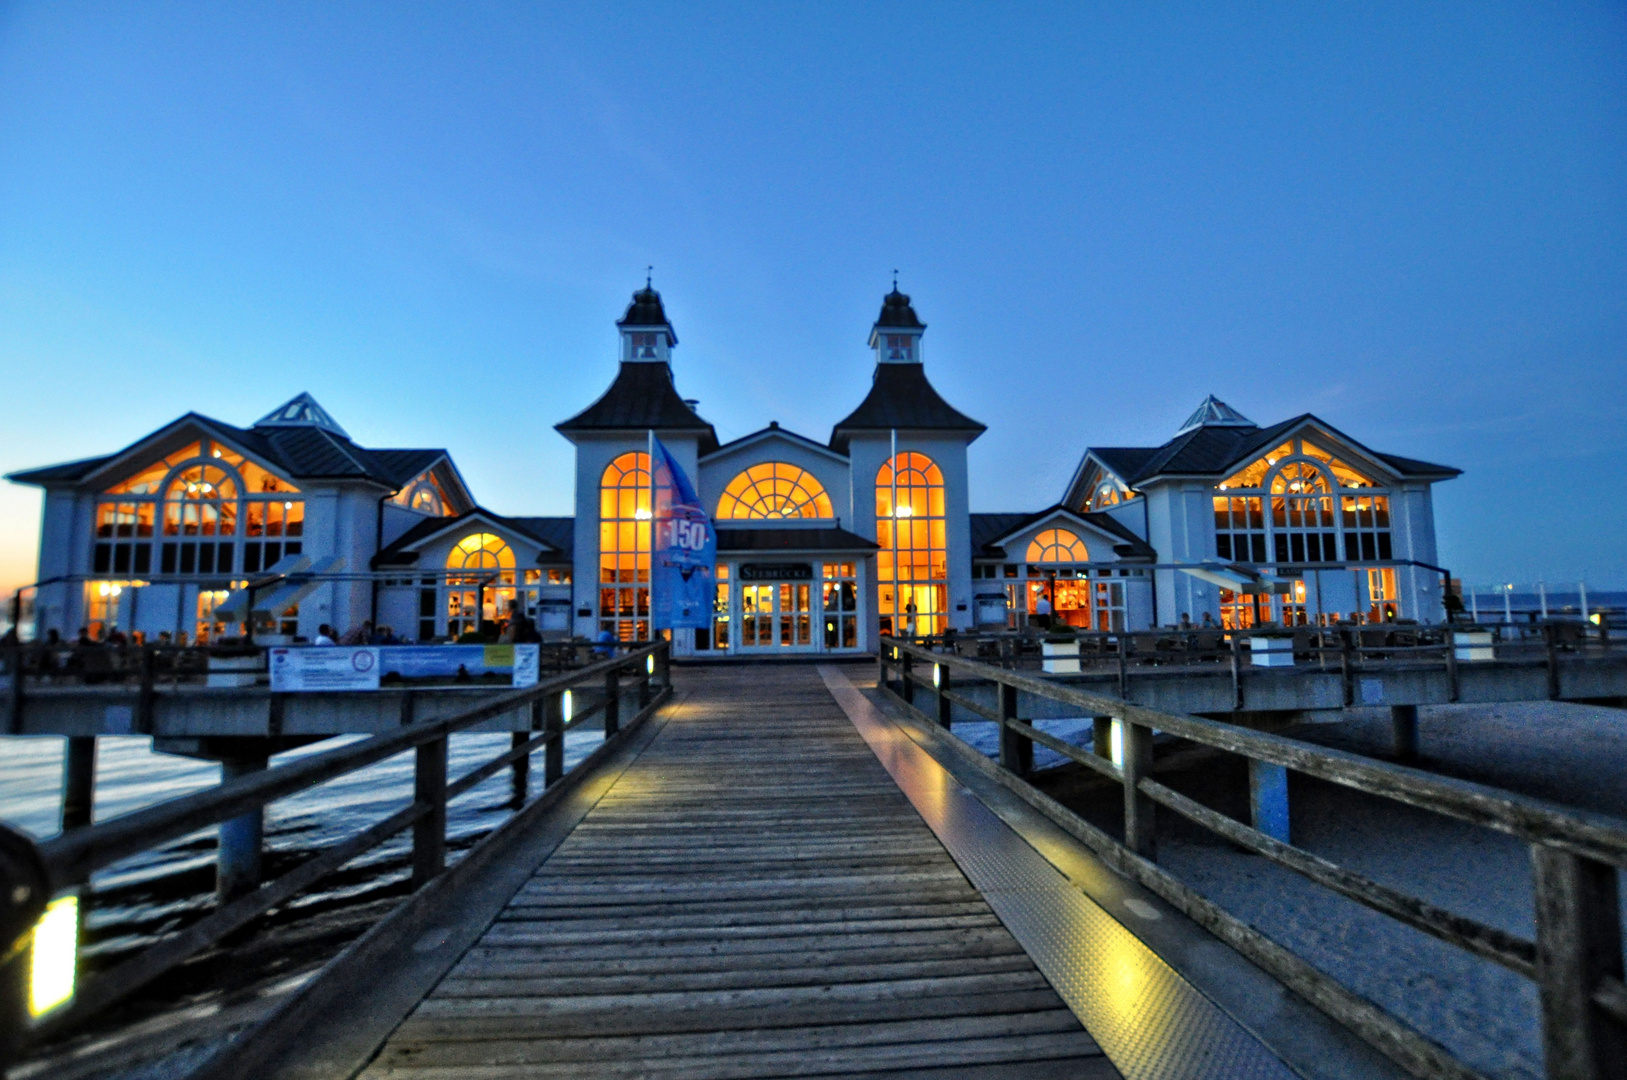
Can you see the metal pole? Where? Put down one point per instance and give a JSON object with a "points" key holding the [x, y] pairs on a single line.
{"points": [[1542, 598], [892, 467], [1508, 610], [1582, 586]]}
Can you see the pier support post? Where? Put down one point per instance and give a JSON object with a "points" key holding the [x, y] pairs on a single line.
{"points": [[1268, 799], [553, 723], [429, 831], [1101, 737], [1139, 835], [78, 781], [1404, 721], [242, 838], [612, 703]]}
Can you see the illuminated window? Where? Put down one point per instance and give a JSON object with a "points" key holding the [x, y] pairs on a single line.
{"points": [[1057, 546], [1103, 490], [644, 346], [149, 480], [479, 583], [841, 606], [774, 489], [425, 495], [913, 564], [1280, 510], [900, 347], [624, 548]]}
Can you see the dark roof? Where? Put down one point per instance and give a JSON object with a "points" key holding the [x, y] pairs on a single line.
{"points": [[830, 539], [543, 530], [896, 313], [772, 429], [303, 452], [66, 473], [901, 397], [1216, 451], [647, 310], [641, 398], [987, 528]]}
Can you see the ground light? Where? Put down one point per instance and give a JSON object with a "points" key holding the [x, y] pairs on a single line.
{"points": [[1115, 743], [649, 664], [937, 674], [565, 706], [54, 955]]}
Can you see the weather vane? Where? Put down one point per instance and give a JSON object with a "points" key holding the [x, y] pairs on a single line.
{"points": [[895, 279], [649, 272]]}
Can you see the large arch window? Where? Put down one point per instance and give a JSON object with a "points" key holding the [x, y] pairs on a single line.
{"points": [[215, 512], [624, 548], [913, 565], [425, 495], [1102, 489], [774, 489], [479, 582], [1294, 508]]}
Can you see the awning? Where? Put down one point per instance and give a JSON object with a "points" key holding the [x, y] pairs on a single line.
{"points": [[235, 608], [274, 602], [1240, 579]]}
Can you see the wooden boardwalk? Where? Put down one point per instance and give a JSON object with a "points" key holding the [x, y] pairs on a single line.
{"points": [[753, 897]]}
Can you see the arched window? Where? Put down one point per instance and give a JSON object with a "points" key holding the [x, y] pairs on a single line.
{"points": [[1057, 546], [1279, 511], [624, 548], [479, 582], [200, 520], [774, 489], [913, 565]]}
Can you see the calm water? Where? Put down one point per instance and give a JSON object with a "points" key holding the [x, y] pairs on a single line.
{"points": [[156, 891]]}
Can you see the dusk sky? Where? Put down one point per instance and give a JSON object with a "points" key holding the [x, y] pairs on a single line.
{"points": [[1410, 220]]}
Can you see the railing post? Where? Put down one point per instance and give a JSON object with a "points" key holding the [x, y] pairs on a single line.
{"points": [[1124, 665], [1101, 737], [906, 683], [429, 831], [1578, 918], [1138, 808], [945, 707], [645, 678], [147, 698], [612, 701], [1268, 799], [1237, 669], [1451, 664], [1550, 638], [78, 781], [881, 666], [522, 768], [1404, 730], [23, 895], [14, 718], [1016, 749], [1346, 676], [553, 723]]}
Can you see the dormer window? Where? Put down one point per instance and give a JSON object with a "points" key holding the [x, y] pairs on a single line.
{"points": [[644, 346], [900, 346]]}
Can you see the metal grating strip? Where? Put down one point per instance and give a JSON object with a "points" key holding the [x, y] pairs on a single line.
{"points": [[1152, 1023]]}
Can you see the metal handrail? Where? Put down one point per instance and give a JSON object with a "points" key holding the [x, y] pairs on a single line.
{"points": [[32, 872], [1576, 958]]}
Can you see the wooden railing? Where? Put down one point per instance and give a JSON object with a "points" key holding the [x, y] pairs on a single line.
{"points": [[1575, 961], [33, 873]]}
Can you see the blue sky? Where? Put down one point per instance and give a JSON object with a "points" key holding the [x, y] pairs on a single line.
{"points": [[1410, 221]]}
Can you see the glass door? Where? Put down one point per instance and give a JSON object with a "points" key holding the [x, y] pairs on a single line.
{"points": [[776, 615]]}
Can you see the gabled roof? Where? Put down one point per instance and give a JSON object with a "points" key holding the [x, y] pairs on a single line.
{"points": [[1216, 451], [901, 397], [301, 451], [641, 398], [773, 430], [827, 539], [990, 534], [403, 550]]}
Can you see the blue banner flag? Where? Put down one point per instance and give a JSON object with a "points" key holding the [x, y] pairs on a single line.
{"points": [[684, 549]]}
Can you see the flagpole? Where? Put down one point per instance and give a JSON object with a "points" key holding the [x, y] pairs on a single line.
{"points": [[651, 614], [893, 465]]}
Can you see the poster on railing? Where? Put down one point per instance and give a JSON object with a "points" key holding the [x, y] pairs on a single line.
{"points": [[307, 668], [682, 586]]}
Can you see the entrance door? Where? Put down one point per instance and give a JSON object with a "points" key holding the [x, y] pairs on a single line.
{"points": [[776, 615]]}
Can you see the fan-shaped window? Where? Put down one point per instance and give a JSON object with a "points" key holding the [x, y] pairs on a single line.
{"points": [[150, 479], [624, 548], [479, 583], [913, 564], [482, 551], [774, 489], [1057, 546]]}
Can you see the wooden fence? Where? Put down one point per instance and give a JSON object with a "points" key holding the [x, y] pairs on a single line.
{"points": [[33, 873], [1575, 961]]}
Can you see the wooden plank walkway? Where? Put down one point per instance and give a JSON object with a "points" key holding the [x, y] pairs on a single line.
{"points": [[754, 897]]}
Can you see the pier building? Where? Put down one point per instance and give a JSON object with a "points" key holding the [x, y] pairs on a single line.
{"points": [[824, 544]]}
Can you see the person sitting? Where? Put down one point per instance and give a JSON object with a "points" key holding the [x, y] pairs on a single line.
{"points": [[359, 635], [324, 635], [1208, 620], [84, 637], [1186, 621], [605, 644]]}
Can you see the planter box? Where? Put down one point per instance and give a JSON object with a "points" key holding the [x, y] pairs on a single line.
{"points": [[1059, 657], [1473, 646], [1271, 651], [235, 671]]}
